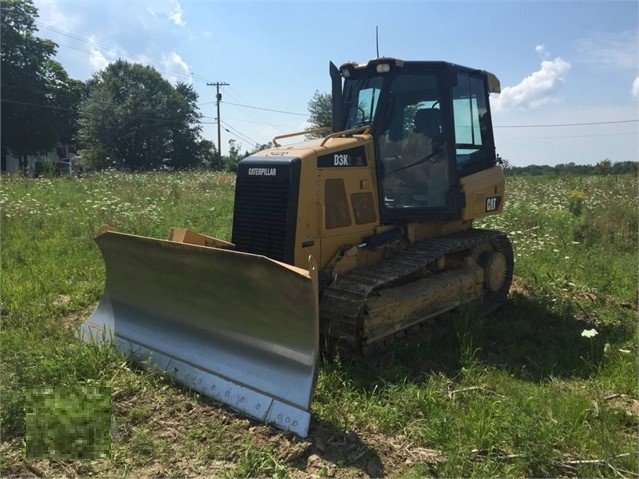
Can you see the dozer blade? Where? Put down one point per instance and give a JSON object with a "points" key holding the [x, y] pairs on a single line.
{"points": [[236, 327]]}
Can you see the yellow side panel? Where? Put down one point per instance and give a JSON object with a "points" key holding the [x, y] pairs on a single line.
{"points": [[485, 193], [337, 205]]}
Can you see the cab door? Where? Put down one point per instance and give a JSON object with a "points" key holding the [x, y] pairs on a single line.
{"points": [[413, 141]]}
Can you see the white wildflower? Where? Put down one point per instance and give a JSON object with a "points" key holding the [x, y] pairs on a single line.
{"points": [[589, 333]]}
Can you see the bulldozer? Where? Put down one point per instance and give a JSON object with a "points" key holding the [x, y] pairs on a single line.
{"points": [[352, 240]]}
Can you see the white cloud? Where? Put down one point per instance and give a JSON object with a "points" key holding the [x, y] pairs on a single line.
{"points": [[176, 15], [93, 36], [536, 89], [176, 69], [49, 13], [541, 49], [617, 50], [171, 10], [635, 89], [97, 59]]}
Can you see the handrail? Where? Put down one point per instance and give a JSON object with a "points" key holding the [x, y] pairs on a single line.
{"points": [[305, 132], [362, 129], [352, 131]]}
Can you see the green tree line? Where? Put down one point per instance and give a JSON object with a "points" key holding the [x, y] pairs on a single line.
{"points": [[39, 100], [126, 116], [604, 167]]}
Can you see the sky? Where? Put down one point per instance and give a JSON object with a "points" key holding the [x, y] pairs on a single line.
{"points": [[569, 70]]}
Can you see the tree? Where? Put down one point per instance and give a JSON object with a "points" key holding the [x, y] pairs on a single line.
{"points": [[234, 157], [623, 167], [185, 128], [505, 164], [260, 147], [320, 108], [603, 167], [207, 154], [39, 100], [135, 119], [68, 96]]}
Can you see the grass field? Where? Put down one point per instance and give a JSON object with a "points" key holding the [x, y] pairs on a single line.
{"points": [[545, 387]]}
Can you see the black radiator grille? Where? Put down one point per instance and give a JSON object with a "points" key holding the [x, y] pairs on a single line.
{"points": [[266, 209]]}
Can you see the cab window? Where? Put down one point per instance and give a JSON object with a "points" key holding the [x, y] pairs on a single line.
{"points": [[362, 97], [473, 143], [412, 147]]}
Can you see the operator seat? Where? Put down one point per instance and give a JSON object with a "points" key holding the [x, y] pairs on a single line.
{"points": [[432, 174], [426, 135], [428, 121]]}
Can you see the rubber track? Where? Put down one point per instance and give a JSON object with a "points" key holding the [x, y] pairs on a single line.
{"points": [[342, 302]]}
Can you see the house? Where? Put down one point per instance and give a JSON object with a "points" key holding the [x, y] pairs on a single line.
{"points": [[60, 161]]}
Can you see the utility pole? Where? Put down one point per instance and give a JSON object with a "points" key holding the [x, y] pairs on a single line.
{"points": [[218, 97]]}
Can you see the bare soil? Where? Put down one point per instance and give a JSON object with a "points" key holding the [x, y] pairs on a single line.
{"points": [[195, 436], [326, 452]]}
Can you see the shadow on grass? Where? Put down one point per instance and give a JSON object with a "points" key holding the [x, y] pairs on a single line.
{"points": [[325, 450], [526, 337], [531, 341]]}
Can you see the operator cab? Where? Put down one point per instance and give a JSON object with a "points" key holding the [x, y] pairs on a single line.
{"points": [[431, 124]]}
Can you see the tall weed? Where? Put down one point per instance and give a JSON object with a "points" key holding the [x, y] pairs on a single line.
{"points": [[518, 393]]}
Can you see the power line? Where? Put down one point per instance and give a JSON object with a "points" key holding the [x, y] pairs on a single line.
{"points": [[238, 137], [243, 137], [145, 62], [495, 126], [254, 122], [563, 136], [134, 117], [253, 113], [192, 75], [567, 124], [267, 109], [239, 134], [51, 107], [104, 47], [48, 107], [233, 134]]}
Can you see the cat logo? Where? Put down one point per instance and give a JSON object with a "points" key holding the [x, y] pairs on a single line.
{"points": [[492, 203]]}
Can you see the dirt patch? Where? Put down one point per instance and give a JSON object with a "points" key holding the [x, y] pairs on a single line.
{"points": [[172, 433], [627, 403], [520, 287], [72, 322]]}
